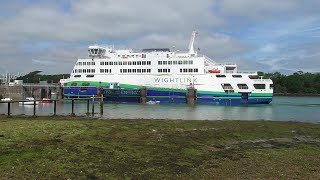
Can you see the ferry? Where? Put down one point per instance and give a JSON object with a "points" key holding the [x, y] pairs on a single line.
{"points": [[166, 75]]}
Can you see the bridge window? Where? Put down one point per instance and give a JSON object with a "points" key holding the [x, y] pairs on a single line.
{"points": [[220, 76], [271, 86]]}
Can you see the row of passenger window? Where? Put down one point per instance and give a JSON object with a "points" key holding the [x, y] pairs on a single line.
{"points": [[133, 56], [175, 62], [84, 71], [85, 63], [135, 70], [188, 70], [105, 70], [163, 70], [111, 63]]}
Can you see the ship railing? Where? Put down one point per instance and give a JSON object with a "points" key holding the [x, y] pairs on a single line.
{"points": [[226, 64], [262, 80], [247, 72], [209, 60]]}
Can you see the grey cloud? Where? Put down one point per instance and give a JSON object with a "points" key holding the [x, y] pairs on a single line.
{"points": [[140, 24]]}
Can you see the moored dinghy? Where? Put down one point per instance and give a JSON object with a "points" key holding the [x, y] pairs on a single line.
{"points": [[28, 101]]}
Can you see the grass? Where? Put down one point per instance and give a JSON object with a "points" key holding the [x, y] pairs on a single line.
{"points": [[78, 148]]}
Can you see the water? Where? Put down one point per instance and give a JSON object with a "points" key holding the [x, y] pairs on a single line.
{"points": [[305, 109]]}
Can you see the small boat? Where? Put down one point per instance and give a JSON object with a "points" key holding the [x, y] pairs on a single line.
{"points": [[6, 99], [29, 101], [214, 71], [46, 100], [153, 102]]}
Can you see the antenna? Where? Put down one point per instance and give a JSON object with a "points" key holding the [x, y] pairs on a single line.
{"points": [[191, 48]]}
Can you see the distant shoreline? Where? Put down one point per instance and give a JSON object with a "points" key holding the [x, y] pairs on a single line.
{"points": [[294, 94]]}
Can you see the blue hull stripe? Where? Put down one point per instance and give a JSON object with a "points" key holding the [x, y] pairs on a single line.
{"points": [[169, 97]]}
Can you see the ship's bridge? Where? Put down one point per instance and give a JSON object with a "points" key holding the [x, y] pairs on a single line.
{"points": [[96, 51]]}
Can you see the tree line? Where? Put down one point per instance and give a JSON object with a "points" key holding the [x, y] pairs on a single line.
{"points": [[35, 77], [297, 83]]}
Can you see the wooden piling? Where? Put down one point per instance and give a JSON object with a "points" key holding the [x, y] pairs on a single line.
{"points": [[101, 104], [9, 109], [88, 107], [191, 96], [143, 95], [72, 108], [54, 107], [34, 107], [92, 106]]}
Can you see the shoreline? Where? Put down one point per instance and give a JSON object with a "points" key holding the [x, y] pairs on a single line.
{"points": [[90, 118]]}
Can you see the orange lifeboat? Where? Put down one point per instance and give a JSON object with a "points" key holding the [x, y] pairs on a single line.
{"points": [[214, 71]]}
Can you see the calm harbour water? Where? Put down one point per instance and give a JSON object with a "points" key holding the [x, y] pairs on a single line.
{"points": [[305, 109]]}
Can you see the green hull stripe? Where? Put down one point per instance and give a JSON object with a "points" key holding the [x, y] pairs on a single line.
{"points": [[130, 86]]}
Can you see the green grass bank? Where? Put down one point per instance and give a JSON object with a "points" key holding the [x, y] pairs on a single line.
{"points": [[80, 148]]}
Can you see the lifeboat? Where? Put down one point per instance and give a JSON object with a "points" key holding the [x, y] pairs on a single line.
{"points": [[214, 71]]}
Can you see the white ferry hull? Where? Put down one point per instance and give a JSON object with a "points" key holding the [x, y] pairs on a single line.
{"points": [[168, 88]]}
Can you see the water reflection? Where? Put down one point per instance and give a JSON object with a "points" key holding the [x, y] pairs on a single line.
{"points": [[282, 108]]}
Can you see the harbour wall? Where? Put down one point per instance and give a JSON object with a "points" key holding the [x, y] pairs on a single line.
{"points": [[20, 92]]}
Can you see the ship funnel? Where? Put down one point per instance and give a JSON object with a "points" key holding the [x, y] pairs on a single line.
{"points": [[191, 48]]}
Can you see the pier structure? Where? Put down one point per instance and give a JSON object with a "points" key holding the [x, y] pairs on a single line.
{"points": [[103, 94], [36, 90]]}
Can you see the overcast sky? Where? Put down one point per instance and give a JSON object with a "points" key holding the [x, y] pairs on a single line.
{"points": [[269, 36]]}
